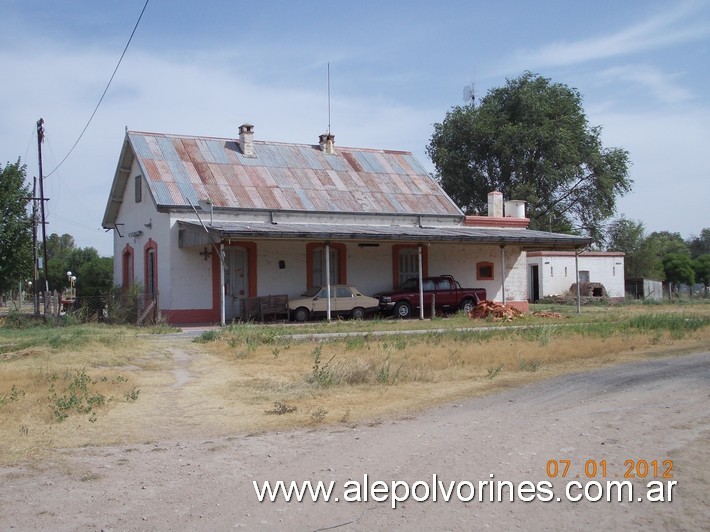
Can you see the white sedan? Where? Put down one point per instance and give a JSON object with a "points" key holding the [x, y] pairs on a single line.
{"points": [[344, 301]]}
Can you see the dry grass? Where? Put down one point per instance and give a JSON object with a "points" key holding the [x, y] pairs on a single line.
{"points": [[253, 379]]}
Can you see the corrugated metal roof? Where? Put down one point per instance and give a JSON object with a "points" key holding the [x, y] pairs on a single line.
{"points": [[295, 177]]}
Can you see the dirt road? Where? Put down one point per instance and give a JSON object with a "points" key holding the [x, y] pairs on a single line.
{"points": [[652, 410]]}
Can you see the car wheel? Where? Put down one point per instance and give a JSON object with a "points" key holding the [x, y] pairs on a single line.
{"points": [[403, 310], [467, 305], [300, 314], [358, 313]]}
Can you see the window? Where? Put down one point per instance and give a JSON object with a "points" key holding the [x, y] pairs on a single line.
{"points": [[127, 270], [444, 284], [408, 265], [139, 189], [343, 291], [315, 264], [565, 271], [484, 271], [405, 263], [552, 272]]}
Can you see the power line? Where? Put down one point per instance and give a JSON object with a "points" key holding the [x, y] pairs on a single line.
{"points": [[105, 90]]}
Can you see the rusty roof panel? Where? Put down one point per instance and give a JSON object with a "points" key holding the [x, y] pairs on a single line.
{"points": [[243, 199], [161, 193], [352, 161], [305, 199], [141, 148], [309, 154], [169, 152], [286, 176], [335, 163], [192, 152]]}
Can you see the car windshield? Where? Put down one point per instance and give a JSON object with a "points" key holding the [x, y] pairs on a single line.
{"points": [[312, 291], [410, 284]]}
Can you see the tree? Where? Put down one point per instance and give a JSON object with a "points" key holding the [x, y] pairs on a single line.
{"points": [[700, 245], [95, 277], [701, 266], [69, 260], [59, 246], [665, 242], [679, 269], [531, 141], [641, 260], [15, 227]]}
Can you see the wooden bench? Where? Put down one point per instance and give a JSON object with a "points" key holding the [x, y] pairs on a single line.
{"points": [[263, 306]]}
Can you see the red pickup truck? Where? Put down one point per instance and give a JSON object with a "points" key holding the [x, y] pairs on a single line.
{"points": [[447, 292]]}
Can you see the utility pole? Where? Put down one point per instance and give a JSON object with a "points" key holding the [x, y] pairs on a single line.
{"points": [[40, 139], [35, 278]]}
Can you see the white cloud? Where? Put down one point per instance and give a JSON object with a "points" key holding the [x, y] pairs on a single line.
{"points": [[669, 28], [662, 86]]}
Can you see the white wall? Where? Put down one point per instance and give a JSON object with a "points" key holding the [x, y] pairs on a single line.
{"points": [[368, 268], [557, 273]]}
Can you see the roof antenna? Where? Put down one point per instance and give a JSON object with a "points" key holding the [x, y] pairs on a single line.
{"points": [[328, 97], [469, 91]]}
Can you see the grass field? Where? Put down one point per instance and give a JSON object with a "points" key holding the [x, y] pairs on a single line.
{"points": [[80, 385]]}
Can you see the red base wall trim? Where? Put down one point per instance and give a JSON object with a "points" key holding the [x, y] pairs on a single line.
{"points": [[176, 317]]}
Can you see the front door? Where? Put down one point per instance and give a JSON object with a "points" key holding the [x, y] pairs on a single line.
{"points": [[236, 282], [534, 284]]}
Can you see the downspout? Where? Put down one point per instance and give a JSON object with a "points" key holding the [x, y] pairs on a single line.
{"points": [[421, 285], [222, 319], [327, 277], [502, 262], [576, 276]]}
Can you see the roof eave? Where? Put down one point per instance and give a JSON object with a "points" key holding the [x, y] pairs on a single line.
{"points": [[120, 178]]}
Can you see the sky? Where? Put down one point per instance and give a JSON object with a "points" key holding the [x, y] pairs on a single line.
{"points": [[396, 68]]}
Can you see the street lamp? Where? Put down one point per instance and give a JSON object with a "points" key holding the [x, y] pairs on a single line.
{"points": [[72, 285]]}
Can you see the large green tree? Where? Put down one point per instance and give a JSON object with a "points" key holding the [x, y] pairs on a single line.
{"points": [[679, 269], [701, 266], [94, 274], [59, 246], [15, 227], [666, 242], [641, 258], [700, 245], [531, 141]]}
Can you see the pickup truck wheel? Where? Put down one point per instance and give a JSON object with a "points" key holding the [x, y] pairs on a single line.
{"points": [[403, 310], [358, 313], [467, 305], [300, 314]]}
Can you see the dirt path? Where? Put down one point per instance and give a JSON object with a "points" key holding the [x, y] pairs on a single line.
{"points": [[652, 410]]}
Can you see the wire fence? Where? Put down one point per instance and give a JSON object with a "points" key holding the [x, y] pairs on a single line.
{"points": [[129, 306]]}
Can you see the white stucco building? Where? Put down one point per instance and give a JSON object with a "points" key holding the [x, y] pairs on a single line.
{"points": [[553, 273], [274, 211]]}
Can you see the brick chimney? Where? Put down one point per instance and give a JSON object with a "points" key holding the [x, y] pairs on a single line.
{"points": [[327, 143], [246, 140], [495, 204]]}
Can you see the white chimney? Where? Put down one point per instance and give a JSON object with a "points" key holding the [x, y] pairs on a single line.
{"points": [[495, 204], [246, 140], [515, 209], [327, 143]]}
